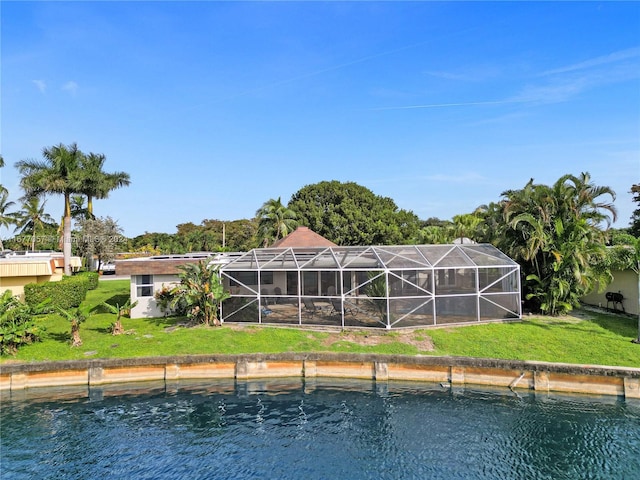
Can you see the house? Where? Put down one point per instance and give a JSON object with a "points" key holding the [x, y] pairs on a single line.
{"points": [[625, 282], [150, 274], [304, 279], [18, 269]]}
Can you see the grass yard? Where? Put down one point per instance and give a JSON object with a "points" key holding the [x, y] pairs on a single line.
{"points": [[586, 338]]}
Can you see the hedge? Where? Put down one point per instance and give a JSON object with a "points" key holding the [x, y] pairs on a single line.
{"points": [[67, 293], [93, 278]]}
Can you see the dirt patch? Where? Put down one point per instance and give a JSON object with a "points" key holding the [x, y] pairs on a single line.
{"points": [[419, 340]]}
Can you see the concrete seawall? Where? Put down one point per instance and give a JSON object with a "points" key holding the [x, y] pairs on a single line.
{"points": [[538, 376]]}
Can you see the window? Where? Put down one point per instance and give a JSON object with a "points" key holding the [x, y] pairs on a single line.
{"points": [[144, 285]]}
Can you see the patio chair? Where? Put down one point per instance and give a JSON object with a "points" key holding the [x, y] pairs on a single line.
{"points": [[309, 306], [277, 292], [338, 308]]}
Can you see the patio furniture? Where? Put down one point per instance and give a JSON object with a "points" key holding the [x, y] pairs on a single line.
{"points": [[338, 308]]}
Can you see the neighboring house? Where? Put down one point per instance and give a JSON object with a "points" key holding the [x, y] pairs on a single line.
{"points": [[624, 282], [18, 269], [151, 274]]}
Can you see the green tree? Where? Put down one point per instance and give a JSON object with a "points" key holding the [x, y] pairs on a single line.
{"points": [[94, 182], [57, 175], [625, 254], [7, 218], [634, 229], [555, 233], [119, 310], [78, 209], [33, 219], [101, 238], [275, 221], [434, 235], [2, 188], [76, 317], [201, 290], [350, 214], [466, 226]]}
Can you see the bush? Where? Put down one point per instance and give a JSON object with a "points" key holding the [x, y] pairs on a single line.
{"points": [[17, 326], [92, 277], [67, 293]]}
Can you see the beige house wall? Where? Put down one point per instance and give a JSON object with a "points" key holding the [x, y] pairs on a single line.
{"points": [[15, 273], [625, 282], [16, 284], [147, 307]]}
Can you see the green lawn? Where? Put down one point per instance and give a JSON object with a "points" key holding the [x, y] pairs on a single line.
{"points": [[588, 338]]}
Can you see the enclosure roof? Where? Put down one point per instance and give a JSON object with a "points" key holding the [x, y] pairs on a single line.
{"points": [[409, 257]]}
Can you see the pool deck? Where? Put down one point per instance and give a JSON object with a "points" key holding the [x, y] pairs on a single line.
{"points": [[450, 371]]}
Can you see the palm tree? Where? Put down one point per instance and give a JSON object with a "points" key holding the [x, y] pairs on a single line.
{"points": [[75, 316], [554, 233], [33, 218], [466, 225], [95, 183], [201, 291], [57, 174], [275, 221], [2, 189], [119, 310], [78, 210], [6, 218]]}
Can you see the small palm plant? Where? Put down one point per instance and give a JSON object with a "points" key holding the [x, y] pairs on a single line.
{"points": [[201, 290], [119, 310], [76, 316], [376, 291]]}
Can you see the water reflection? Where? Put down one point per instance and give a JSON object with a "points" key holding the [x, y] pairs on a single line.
{"points": [[319, 429]]}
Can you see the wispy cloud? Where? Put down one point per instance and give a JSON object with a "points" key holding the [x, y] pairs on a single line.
{"points": [[71, 87], [475, 74], [456, 104], [564, 83], [40, 85], [555, 85], [614, 57]]}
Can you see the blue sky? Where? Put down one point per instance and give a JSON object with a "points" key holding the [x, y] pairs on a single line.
{"points": [[215, 107]]}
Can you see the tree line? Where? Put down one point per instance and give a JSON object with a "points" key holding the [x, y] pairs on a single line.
{"points": [[558, 233], [63, 170]]}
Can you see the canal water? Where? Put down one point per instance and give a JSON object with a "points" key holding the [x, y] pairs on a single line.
{"points": [[326, 429]]}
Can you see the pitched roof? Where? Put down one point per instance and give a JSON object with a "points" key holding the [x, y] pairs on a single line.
{"points": [[303, 237]]}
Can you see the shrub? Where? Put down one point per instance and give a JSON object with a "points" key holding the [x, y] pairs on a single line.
{"points": [[17, 326], [92, 277], [67, 293]]}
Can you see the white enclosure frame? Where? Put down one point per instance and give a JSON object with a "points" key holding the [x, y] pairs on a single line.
{"points": [[374, 286]]}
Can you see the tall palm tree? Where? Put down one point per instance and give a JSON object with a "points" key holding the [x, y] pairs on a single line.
{"points": [[95, 182], [78, 210], [466, 225], [57, 175], [33, 218], [2, 189], [275, 221], [6, 218], [555, 233], [584, 199]]}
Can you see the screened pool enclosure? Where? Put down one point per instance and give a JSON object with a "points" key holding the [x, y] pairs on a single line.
{"points": [[383, 286]]}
